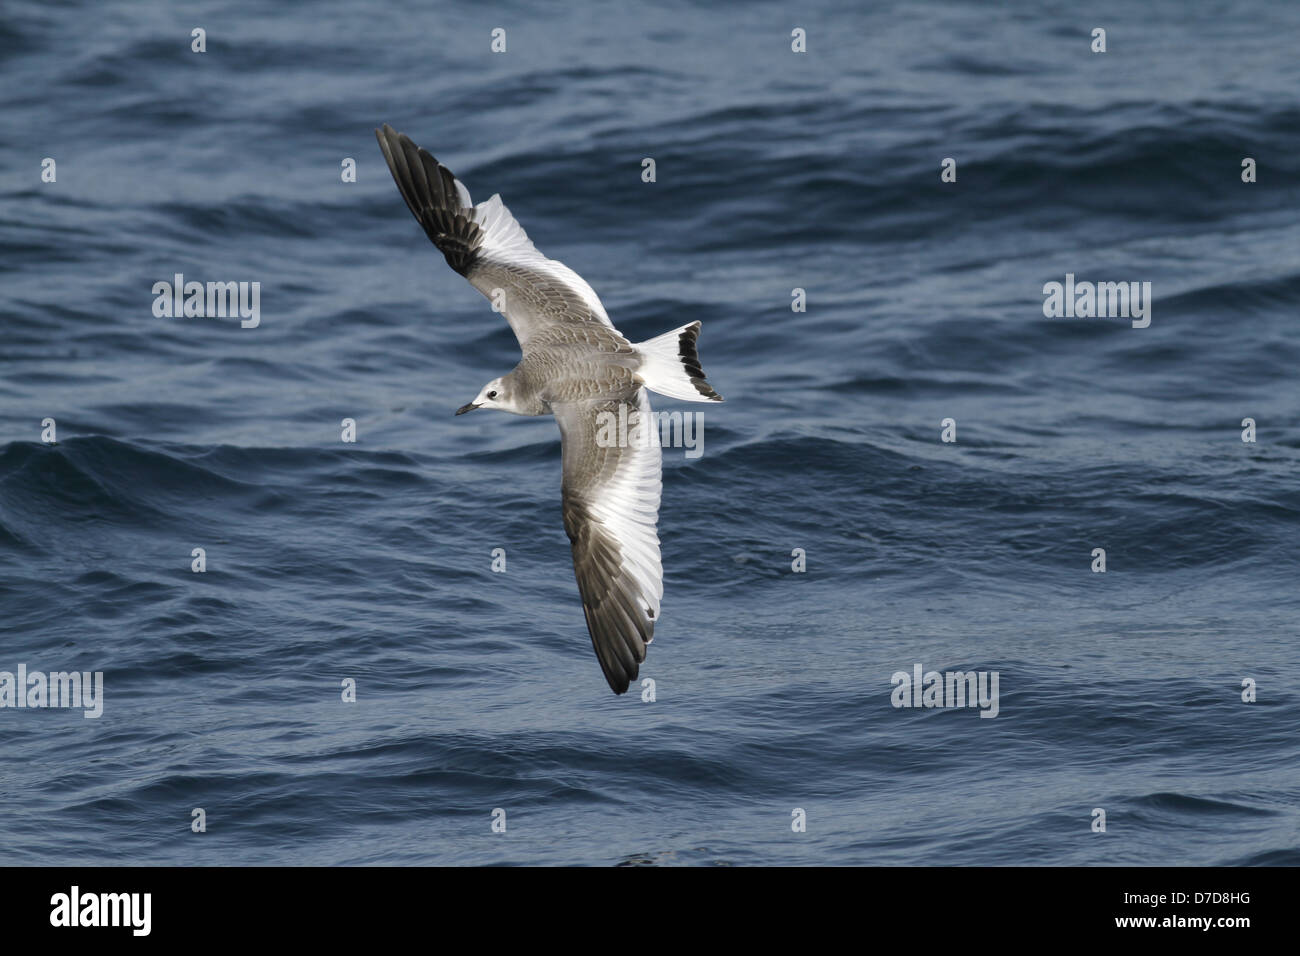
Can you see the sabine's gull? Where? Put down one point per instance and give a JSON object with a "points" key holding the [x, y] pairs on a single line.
{"points": [[579, 368]]}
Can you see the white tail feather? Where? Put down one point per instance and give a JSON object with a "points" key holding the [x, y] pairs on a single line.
{"points": [[671, 366]]}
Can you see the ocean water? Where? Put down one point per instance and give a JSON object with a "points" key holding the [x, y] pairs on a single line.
{"points": [[371, 561]]}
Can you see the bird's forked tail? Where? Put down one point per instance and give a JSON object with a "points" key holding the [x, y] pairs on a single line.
{"points": [[670, 365]]}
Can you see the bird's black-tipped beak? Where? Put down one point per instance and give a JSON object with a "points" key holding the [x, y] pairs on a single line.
{"points": [[466, 408]]}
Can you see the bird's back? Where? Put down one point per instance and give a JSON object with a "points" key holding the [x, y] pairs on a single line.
{"points": [[572, 364]]}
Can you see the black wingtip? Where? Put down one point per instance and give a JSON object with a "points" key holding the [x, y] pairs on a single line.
{"points": [[429, 189], [619, 661]]}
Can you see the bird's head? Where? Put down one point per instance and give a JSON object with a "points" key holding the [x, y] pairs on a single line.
{"points": [[492, 395]]}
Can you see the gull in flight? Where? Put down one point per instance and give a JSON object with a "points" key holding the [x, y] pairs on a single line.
{"points": [[579, 368]]}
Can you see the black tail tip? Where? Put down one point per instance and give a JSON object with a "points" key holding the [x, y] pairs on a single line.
{"points": [[690, 356]]}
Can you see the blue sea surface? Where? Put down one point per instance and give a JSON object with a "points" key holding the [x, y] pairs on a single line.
{"points": [[371, 561]]}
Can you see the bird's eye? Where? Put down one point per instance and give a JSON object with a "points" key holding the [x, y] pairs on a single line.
{"points": [[492, 394]]}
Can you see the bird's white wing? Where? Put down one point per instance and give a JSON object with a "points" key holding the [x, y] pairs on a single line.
{"points": [[486, 245], [611, 488]]}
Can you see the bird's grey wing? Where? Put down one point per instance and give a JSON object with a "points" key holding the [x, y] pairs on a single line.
{"points": [[486, 245], [611, 491]]}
